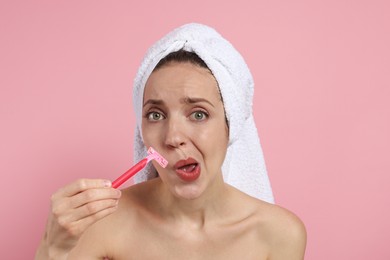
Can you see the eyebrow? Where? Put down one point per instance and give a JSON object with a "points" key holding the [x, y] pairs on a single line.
{"points": [[193, 100], [153, 102], [188, 100]]}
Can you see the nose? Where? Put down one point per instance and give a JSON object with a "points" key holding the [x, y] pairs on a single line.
{"points": [[175, 134]]}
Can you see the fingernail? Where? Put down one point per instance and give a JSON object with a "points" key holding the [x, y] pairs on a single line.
{"points": [[107, 183]]}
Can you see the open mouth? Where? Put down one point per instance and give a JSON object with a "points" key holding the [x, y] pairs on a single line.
{"points": [[188, 170]]}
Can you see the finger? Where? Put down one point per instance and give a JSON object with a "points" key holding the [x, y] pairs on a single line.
{"points": [[82, 185], [84, 223], [61, 206], [92, 195], [92, 208], [76, 228]]}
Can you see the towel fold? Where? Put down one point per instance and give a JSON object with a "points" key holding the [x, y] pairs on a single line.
{"points": [[244, 166]]}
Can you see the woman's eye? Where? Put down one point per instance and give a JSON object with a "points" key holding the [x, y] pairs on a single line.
{"points": [[199, 115], [155, 116]]}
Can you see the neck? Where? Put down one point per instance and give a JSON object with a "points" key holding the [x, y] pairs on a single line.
{"points": [[197, 212]]}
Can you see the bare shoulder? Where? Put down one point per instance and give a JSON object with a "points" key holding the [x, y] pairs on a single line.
{"points": [[285, 232]]}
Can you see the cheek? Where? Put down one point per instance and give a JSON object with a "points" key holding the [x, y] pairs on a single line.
{"points": [[148, 135], [214, 140]]}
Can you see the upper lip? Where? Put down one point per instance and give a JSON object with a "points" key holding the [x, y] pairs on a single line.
{"points": [[182, 163]]}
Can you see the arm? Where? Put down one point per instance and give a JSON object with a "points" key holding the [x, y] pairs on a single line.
{"points": [[74, 208]]}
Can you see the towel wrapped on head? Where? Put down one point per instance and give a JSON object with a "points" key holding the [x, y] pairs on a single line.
{"points": [[244, 166]]}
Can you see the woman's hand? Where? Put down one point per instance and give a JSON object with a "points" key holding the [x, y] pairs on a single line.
{"points": [[73, 209]]}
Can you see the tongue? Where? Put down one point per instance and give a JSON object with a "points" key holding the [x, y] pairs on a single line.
{"points": [[188, 168]]}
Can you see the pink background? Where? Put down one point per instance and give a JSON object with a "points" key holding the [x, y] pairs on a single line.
{"points": [[321, 104]]}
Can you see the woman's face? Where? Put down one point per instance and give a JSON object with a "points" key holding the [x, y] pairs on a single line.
{"points": [[184, 120]]}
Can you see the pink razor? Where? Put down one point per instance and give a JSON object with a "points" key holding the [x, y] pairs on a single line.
{"points": [[152, 155]]}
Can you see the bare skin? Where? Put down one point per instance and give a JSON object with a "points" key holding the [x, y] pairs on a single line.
{"points": [[169, 218], [239, 228]]}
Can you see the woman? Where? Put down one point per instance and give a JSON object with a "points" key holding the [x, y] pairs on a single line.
{"points": [[193, 97]]}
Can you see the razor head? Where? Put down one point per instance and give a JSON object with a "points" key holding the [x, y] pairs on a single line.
{"points": [[153, 155]]}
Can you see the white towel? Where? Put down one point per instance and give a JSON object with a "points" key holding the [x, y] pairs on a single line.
{"points": [[244, 166]]}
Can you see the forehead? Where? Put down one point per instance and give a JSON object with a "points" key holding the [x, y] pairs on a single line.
{"points": [[183, 78]]}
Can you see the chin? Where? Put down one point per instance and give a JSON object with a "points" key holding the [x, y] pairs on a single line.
{"points": [[189, 192]]}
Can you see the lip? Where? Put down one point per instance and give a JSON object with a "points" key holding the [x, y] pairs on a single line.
{"points": [[187, 176], [187, 161]]}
